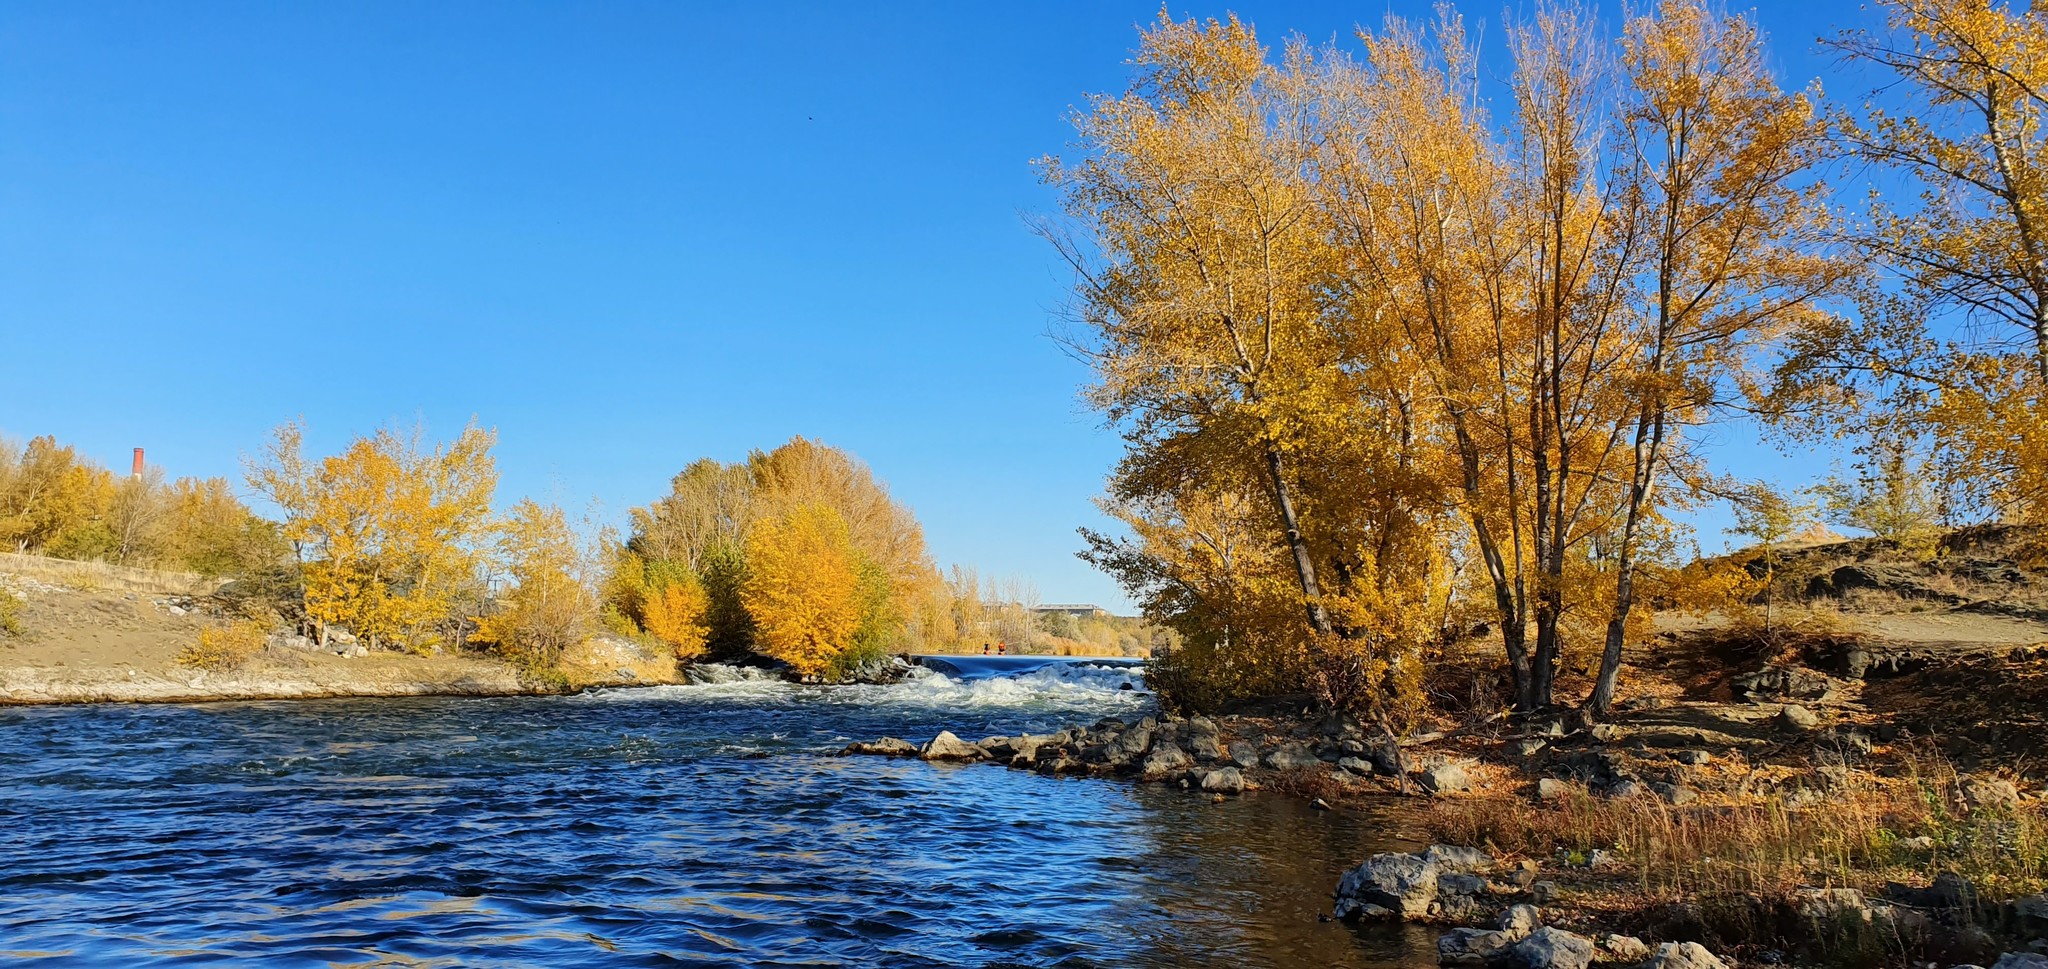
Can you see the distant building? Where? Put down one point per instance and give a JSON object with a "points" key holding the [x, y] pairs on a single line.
{"points": [[1083, 610]]}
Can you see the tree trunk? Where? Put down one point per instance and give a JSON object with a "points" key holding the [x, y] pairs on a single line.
{"points": [[1304, 563]]}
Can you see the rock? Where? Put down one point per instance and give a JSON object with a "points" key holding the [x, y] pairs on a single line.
{"points": [[1675, 793], [1319, 804], [885, 747], [1455, 858], [1624, 790], [1831, 905], [1244, 755], [1292, 757], [2029, 915], [1552, 948], [1402, 884], [1224, 781], [1684, 955], [1129, 746], [945, 746], [1782, 682], [1622, 948], [1552, 789], [1452, 883], [1692, 758], [1165, 759], [1605, 733], [1991, 792], [1543, 893], [1355, 766], [1520, 920], [2021, 960], [1797, 718], [1446, 779], [1471, 947], [1207, 748], [1948, 890], [999, 748]]}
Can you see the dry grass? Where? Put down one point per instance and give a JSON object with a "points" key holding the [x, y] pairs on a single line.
{"points": [[1862, 833], [102, 577]]}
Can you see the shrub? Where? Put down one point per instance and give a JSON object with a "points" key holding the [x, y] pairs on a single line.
{"points": [[225, 647], [10, 612]]}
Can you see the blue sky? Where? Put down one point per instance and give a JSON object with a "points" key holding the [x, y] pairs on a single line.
{"points": [[624, 234]]}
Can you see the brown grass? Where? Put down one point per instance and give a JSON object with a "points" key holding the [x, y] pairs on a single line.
{"points": [[1857, 836], [100, 576]]}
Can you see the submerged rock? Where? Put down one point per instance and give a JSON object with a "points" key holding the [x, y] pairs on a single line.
{"points": [[885, 747]]}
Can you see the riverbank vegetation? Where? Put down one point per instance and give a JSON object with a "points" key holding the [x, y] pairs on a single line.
{"points": [[1401, 350], [795, 556]]}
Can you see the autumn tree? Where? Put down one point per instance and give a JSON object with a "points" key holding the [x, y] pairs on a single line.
{"points": [[390, 530], [550, 604], [803, 587], [1952, 339], [1202, 250]]}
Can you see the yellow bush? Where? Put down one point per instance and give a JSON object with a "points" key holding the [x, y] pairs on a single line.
{"points": [[675, 615], [225, 647], [10, 613]]}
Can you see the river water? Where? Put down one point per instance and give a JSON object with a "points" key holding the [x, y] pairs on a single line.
{"points": [[674, 826]]}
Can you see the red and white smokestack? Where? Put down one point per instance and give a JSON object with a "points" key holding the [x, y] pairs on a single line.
{"points": [[137, 472]]}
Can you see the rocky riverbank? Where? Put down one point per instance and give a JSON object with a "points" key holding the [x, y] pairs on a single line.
{"points": [[1565, 812]]}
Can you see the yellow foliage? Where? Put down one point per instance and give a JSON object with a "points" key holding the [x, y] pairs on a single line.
{"points": [[549, 606], [225, 647], [10, 612], [675, 614], [802, 587], [391, 528]]}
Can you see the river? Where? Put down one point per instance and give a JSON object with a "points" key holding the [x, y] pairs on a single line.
{"points": [[673, 826]]}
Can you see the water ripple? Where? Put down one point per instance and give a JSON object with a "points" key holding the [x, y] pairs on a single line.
{"points": [[692, 826]]}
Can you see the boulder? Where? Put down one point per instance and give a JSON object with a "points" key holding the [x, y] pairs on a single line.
{"points": [[2030, 915], [1684, 955], [1225, 780], [1552, 948], [1797, 718], [1843, 905], [1456, 858], [1472, 947], [1129, 746], [945, 746], [1446, 779], [1622, 948], [999, 748], [1164, 760], [1244, 755], [1991, 792], [2021, 960], [1400, 885], [1353, 765], [1207, 748], [1625, 789], [885, 747], [1552, 789], [1675, 793], [1520, 920], [1292, 757], [1692, 758]]}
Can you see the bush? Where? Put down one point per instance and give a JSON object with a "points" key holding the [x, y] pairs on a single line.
{"points": [[225, 647], [10, 612]]}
